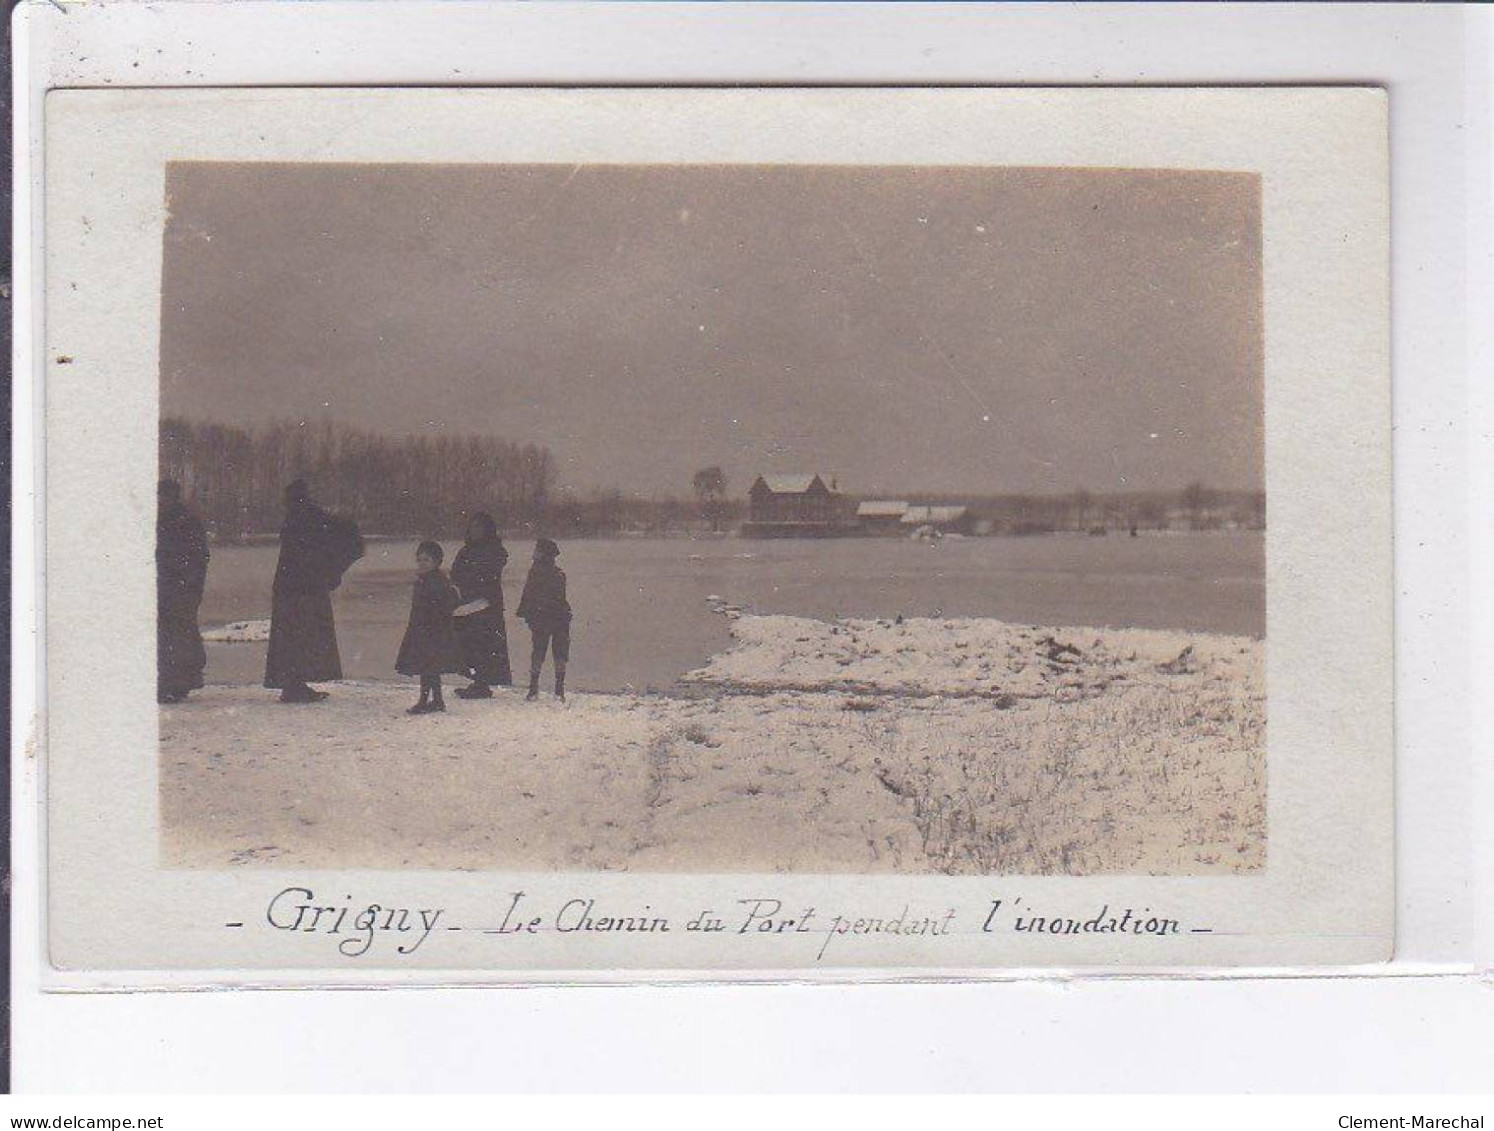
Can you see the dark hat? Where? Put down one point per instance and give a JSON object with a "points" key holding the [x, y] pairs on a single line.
{"points": [[547, 548], [486, 521], [297, 492]]}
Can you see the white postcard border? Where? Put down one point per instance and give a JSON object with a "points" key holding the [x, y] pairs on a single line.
{"points": [[1327, 894]]}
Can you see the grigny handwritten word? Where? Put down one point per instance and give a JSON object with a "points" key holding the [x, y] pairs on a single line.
{"points": [[294, 909]]}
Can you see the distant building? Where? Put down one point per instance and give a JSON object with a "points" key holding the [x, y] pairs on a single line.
{"points": [[790, 498], [794, 506], [945, 520], [881, 516]]}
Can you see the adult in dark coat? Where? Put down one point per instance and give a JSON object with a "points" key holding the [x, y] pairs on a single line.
{"points": [[181, 573], [316, 549], [477, 572]]}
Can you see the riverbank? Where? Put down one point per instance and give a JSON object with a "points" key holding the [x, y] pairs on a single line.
{"points": [[960, 746]]}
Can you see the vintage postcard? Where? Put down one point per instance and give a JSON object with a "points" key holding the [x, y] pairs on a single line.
{"points": [[528, 533]]}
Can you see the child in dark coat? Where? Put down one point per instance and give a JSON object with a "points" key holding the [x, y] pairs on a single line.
{"points": [[544, 607], [430, 645]]}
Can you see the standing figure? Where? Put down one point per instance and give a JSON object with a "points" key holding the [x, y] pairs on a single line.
{"points": [[181, 573], [544, 607], [316, 549], [430, 645], [477, 572]]}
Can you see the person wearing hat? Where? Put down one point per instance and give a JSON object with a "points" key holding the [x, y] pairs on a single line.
{"points": [[544, 608], [477, 572], [316, 549], [430, 647]]}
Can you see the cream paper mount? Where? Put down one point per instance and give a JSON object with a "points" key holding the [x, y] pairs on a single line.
{"points": [[1144, 722]]}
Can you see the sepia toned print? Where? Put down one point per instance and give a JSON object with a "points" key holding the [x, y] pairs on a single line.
{"points": [[835, 411], [834, 519]]}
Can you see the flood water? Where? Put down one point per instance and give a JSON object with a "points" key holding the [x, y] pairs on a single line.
{"points": [[641, 618]]}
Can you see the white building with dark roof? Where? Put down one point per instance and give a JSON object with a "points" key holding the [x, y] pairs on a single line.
{"points": [[881, 515], [945, 519]]}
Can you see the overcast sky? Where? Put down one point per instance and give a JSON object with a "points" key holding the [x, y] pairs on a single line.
{"points": [[899, 329]]}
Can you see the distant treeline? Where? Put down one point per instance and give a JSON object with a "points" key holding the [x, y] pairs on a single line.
{"points": [[1194, 507], [235, 477], [612, 512], [429, 486]]}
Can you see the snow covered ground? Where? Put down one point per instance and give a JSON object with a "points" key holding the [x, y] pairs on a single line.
{"points": [[960, 746]]}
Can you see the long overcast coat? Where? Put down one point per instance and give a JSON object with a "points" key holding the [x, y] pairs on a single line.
{"points": [[181, 573], [316, 549], [477, 572], [430, 645]]}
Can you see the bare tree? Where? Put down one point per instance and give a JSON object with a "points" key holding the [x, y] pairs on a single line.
{"points": [[710, 491], [1080, 503], [410, 485], [1195, 499]]}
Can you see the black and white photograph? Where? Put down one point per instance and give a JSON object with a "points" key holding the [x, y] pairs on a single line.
{"points": [[758, 518]]}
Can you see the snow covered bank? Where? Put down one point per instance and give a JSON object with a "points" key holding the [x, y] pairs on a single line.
{"points": [[973, 657], [962, 746]]}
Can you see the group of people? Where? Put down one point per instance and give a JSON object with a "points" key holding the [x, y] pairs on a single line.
{"points": [[456, 623]]}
